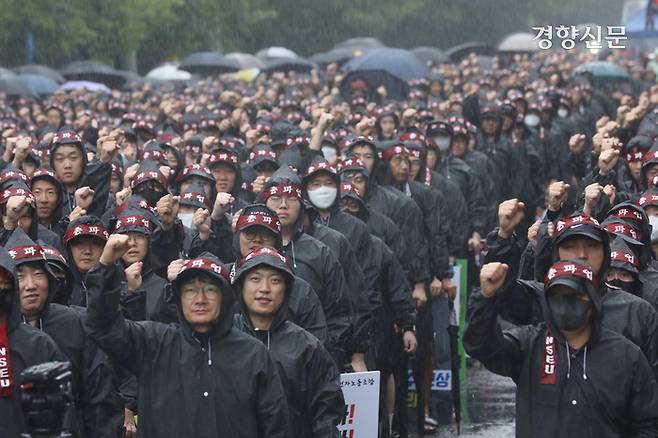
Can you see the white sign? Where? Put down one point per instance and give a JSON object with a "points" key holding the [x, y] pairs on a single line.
{"points": [[361, 393]]}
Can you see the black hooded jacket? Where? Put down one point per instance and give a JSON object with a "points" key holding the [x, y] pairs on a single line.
{"points": [[27, 346], [99, 408], [220, 384], [308, 373], [590, 398]]}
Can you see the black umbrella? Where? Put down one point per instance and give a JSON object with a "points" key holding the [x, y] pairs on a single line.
{"points": [[396, 88], [94, 72], [338, 55], [289, 64], [431, 54], [360, 42], [207, 63], [40, 70], [458, 52], [13, 86]]}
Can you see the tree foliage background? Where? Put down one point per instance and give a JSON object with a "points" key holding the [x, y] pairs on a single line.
{"points": [[158, 30]]}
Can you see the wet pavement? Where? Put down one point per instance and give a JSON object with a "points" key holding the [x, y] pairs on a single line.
{"points": [[490, 407]]}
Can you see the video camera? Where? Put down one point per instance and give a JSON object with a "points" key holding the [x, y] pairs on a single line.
{"points": [[47, 399]]}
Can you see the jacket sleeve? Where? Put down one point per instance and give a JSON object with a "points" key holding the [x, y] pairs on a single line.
{"points": [[219, 243], [305, 310], [127, 343], [476, 206], [324, 398], [97, 176], [102, 407], [506, 251], [417, 246], [643, 403], [437, 221], [501, 352], [272, 406], [166, 245], [399, 292], [339, 306]]}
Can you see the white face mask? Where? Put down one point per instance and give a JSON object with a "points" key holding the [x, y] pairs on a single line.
{"points": [[531, 120], [323, 197], [653, 220], [186, 219], [328, 152], [442, 142], [563, 112]]}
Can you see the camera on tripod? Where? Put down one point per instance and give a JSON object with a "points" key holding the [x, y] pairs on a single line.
{"points": [[47, 399]]}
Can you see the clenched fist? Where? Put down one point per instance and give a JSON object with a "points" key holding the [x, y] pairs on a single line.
{"points": [[167, 209], [83, 197], [557, 194], [492, 277], [115, 247], [134, 276], [174, 268], [510, 214]]}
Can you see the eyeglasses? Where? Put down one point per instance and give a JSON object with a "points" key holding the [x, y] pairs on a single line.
{"points": [[264, 236], [278, 200], [210, 291]]}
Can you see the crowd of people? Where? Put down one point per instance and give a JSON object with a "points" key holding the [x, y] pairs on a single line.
{"points": [[209, 256]]}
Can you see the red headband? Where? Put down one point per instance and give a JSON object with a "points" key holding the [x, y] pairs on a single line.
{"points": [[148, 175], [224, 157], [395, 150], [133, 221], [322, 165], [625, 257], [349, 188], [262, 153], [16, 191], [259, 218], [303, 141], [570, 269], [573, 221], [283, 190], [86, 230], [52, 252], [651, 155], [8, 176], [634, 156], [206, 265], [68, 137], [26, 252], [198, 197], [623, 229], [153, 155], [648, 199], [259, 252], [627, 213]]}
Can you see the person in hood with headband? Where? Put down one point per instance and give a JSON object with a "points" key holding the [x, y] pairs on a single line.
{"points": [[398, 207], [564, 383], [224, 165], [347, 314], [84, 241], [69, 162], [320, 185], [624, 272], [202, 378], [97, 403], [578, 237], [264, 280], [21, 346], [143, 293], [304, 306]]}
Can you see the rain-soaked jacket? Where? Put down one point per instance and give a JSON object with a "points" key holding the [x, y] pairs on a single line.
{"points": [[220, 384], [589, 398], [308, 373], [27, 346]]}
